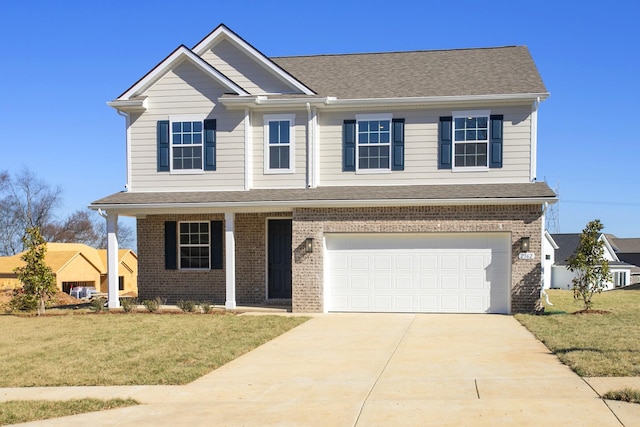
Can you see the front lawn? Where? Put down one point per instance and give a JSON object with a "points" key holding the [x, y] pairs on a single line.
{"points": [[593, 345], [127, 349], [21, 411]]}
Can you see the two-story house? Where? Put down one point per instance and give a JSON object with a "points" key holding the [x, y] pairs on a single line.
{"points": [[384, 182]]}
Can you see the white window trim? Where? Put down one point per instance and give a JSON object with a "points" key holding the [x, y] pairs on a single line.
{"points": [[185, 118], [291, 118], [368, 117], [469, 113], [179, 246]]}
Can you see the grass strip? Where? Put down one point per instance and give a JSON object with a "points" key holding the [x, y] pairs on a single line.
{"points": [[22, 411], [625, 395], [604, 344]]}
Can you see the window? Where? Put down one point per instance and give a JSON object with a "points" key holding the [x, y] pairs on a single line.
{"points": [[279, 143], [471, 139], [619, 279], [193, 243], [186, 144], [374, 142]]}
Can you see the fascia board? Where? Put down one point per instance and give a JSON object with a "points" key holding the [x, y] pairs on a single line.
{"points": [[223, 31], [129, 106], [288, 204], [168, 63]]}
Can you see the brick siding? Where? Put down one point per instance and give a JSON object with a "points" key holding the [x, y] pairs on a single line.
{"points": [[519, 220], [307, 269]]}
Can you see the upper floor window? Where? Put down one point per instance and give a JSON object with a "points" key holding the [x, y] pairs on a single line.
{"points": [[373, 143], [186, 144], [279, 143], [471, 139]]}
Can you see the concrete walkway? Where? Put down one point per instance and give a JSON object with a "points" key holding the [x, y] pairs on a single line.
{"points": [[368, 370]]}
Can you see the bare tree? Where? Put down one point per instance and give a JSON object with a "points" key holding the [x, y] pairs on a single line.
{"points": [[85, 226], [26, 201]]}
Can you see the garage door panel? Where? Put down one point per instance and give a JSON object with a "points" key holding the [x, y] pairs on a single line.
{"points": [[456, 272], [449, 262], [382, 282]]}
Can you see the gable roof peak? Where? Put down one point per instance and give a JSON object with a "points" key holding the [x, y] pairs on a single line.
{"points": [[224, 32]]}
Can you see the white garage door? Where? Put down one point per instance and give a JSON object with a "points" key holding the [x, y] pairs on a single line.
{"points": [[439, 273]]}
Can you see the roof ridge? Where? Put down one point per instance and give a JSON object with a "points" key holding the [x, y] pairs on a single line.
{"points": [[398, 52]]}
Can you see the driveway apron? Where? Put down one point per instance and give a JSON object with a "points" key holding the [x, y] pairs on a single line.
{"points": [[377, 369]]}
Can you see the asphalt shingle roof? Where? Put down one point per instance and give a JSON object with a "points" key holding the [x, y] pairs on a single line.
{"points": [[460, 72], [327, 194]]}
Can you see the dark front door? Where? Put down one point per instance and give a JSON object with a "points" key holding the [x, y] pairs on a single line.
{"points": [[279, 258]]}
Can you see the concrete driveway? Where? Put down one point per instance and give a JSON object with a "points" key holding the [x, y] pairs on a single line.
{"points": [[373, 369]]}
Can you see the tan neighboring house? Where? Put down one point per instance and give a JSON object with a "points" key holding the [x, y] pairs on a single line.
{"points": [[75, 264], [127, 271], [376, 182]]}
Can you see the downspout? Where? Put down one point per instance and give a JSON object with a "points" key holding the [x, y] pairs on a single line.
{"points": [[543, 293], [534, 139], [309, 172], [127, 185]]}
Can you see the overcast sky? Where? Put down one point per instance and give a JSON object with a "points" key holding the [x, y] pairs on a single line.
{"points": [[63, 60]]}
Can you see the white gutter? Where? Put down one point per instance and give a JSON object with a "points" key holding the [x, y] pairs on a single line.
{"points": [[331, 101]]}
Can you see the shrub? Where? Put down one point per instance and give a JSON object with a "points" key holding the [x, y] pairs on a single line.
{"points": [[187, 306], [205, 307], [97, 304], [129, 305], [153, 305], [22, 301]]}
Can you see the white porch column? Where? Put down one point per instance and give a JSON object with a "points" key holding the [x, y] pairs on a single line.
{"points": [[112, 260], [230, 259]]}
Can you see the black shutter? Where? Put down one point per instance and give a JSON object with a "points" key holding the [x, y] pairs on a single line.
{"points": [[216, 245], [349, 146], [210, 145], [162, 137], [445, 143], [495, 142], [398, 145], [170, 245]]}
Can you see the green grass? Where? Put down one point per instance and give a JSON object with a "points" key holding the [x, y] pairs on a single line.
{"points": [[127, 349], [593, 345], [22, 411]]}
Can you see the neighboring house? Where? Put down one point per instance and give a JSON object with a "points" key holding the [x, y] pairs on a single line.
{"points": [[74, 264], [549, 248], [127, 271], [628, 250], [384, 182], [567, 244]]}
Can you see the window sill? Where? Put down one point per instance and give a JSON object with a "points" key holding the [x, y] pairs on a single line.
{"points": [[469, 169], [372, 171], [187, 172], [279, 171]]}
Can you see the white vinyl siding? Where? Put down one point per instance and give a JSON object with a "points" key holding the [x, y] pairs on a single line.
{"points": [[243, 70], [185, 91], [421, 150], [263, 179]]}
